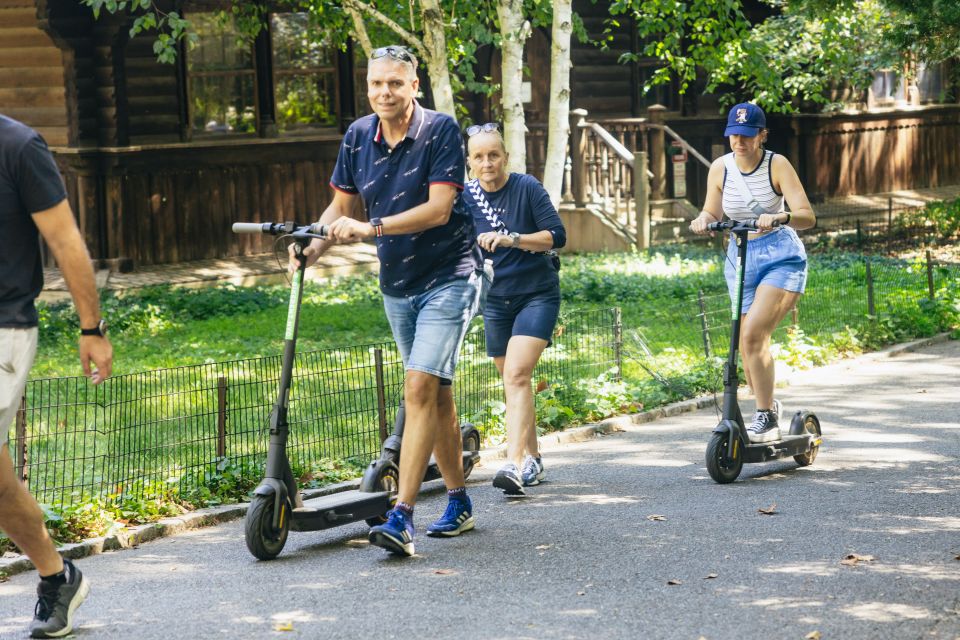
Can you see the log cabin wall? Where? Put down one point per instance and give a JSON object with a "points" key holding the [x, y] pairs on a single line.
{"points": [[32, 83], [176, 202]]}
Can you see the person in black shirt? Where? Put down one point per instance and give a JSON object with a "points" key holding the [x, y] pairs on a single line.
{"points": [[518, 229], [32, 204]]}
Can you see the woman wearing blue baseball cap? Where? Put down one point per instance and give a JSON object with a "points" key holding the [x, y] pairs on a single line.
{"points": [[752, 183]]}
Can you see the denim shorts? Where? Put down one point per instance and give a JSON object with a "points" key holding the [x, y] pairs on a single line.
{"points": [[777, 259], [528, 314], [18, 347], [429, 327]]}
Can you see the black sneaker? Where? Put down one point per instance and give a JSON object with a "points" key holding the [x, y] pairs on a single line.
{"points": [[53, 617], [765, 427], [508, 480]]}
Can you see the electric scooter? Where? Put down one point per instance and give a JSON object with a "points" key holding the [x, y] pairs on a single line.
{"points": [[729, 447], [274, 508]]}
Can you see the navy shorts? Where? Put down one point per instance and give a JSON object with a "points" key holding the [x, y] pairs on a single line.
{"points": [[528, 314]]}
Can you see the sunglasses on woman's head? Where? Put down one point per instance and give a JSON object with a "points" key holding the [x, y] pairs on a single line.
{"points": [[397, 53], [482, 128]]}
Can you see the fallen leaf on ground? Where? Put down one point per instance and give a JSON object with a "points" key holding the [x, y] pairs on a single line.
{"points": [[922, 391], [710, 576], [541, 547], [852, 559], [656, 517], [581, 593], [444, 572], [813, 635], [957, 557], [674, 582], [769, 511], [283, 626]]}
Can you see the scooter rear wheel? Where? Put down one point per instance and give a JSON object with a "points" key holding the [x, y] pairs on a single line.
{"points": [[470, 443], [263, 540], [388, 479], [721, 467], [812, 426]]}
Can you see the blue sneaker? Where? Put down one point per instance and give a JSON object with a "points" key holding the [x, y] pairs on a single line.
{"points": [[396, 534], [455, 520]]}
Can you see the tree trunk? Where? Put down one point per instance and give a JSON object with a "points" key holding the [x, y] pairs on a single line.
{"points": [[514, 31], [558, 118], [435, 45]]}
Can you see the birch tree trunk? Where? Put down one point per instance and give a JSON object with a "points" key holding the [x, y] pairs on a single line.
{"points": [[435, 48], [514, 31], [558, 118]]}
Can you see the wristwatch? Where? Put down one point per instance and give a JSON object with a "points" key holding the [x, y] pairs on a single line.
{"points": [[377, 224], [516, 239], [99, 330]]}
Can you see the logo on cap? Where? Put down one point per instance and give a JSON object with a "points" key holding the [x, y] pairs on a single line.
{"points": [[741, 115]]}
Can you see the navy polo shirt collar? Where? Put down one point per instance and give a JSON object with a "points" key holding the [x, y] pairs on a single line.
{"points": [[416, 125]]}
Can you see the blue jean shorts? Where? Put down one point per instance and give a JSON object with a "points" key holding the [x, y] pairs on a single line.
{"points": [[429, 327], [777, 259], [529, 314]]}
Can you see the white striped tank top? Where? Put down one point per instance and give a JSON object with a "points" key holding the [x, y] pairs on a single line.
{"points": [[761, 187]]}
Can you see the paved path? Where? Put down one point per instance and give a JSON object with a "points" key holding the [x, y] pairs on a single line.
{"points": [[582, 557]]}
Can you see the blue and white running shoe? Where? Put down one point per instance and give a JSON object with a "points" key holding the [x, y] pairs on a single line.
{"points": [[455, 520], [532, 471], [396, 534]]}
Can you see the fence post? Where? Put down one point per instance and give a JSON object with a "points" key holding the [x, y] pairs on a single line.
{"points": [[889, 222], [658, 156], [21, 437], [859, 236], [641, 196], [578, 158], [703, 323], [930, 274], [381, 394], [618, 340], [795, 316], [221, 417], [871, 310]]}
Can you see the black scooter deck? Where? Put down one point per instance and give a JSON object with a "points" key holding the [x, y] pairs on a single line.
{"points": [[788, 446], [340, 508]]}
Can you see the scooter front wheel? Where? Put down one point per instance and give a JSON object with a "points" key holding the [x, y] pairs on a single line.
{"points": [[264, 540], [722, 467]]}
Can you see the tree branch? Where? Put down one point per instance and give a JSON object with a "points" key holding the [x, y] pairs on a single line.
{"points": [[387, 22]]}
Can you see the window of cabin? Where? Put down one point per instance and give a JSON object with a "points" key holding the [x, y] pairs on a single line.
{"points": [[305, 75], [221, 78]]}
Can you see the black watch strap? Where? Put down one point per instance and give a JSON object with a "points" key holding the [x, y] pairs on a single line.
{"points": [[99, 330]]}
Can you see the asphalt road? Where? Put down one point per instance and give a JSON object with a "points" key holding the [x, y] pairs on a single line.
{"points": [[584, 558]]}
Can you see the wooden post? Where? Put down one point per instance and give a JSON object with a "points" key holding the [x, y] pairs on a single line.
{"points": [[578, 157], [641, 197], [871, 310], [930, 274], [658, 154], [221, 417], [381, 394], [889, 222], [703, 323], [859, 236], [21, 436]]}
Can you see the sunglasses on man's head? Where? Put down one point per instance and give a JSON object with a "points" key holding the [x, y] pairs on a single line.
{"points": [[482, 128], [397, 53]]}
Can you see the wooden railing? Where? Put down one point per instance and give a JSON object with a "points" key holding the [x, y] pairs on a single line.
{"points": [[609, 170]]}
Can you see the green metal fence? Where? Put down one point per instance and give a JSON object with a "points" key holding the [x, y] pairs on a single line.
{"points": [[71, 438]]}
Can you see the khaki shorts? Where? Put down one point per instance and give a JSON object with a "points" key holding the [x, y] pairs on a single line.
{"points": [[18, 347]]}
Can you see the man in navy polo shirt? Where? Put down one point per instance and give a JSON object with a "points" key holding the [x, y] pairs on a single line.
{"points": [[407, 165]]}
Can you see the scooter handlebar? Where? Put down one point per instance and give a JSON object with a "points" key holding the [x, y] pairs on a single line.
{"points": [[282, 228], [736, 225]]}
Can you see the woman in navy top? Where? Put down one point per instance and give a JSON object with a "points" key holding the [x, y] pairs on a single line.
{"points": [[518, 228]]}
